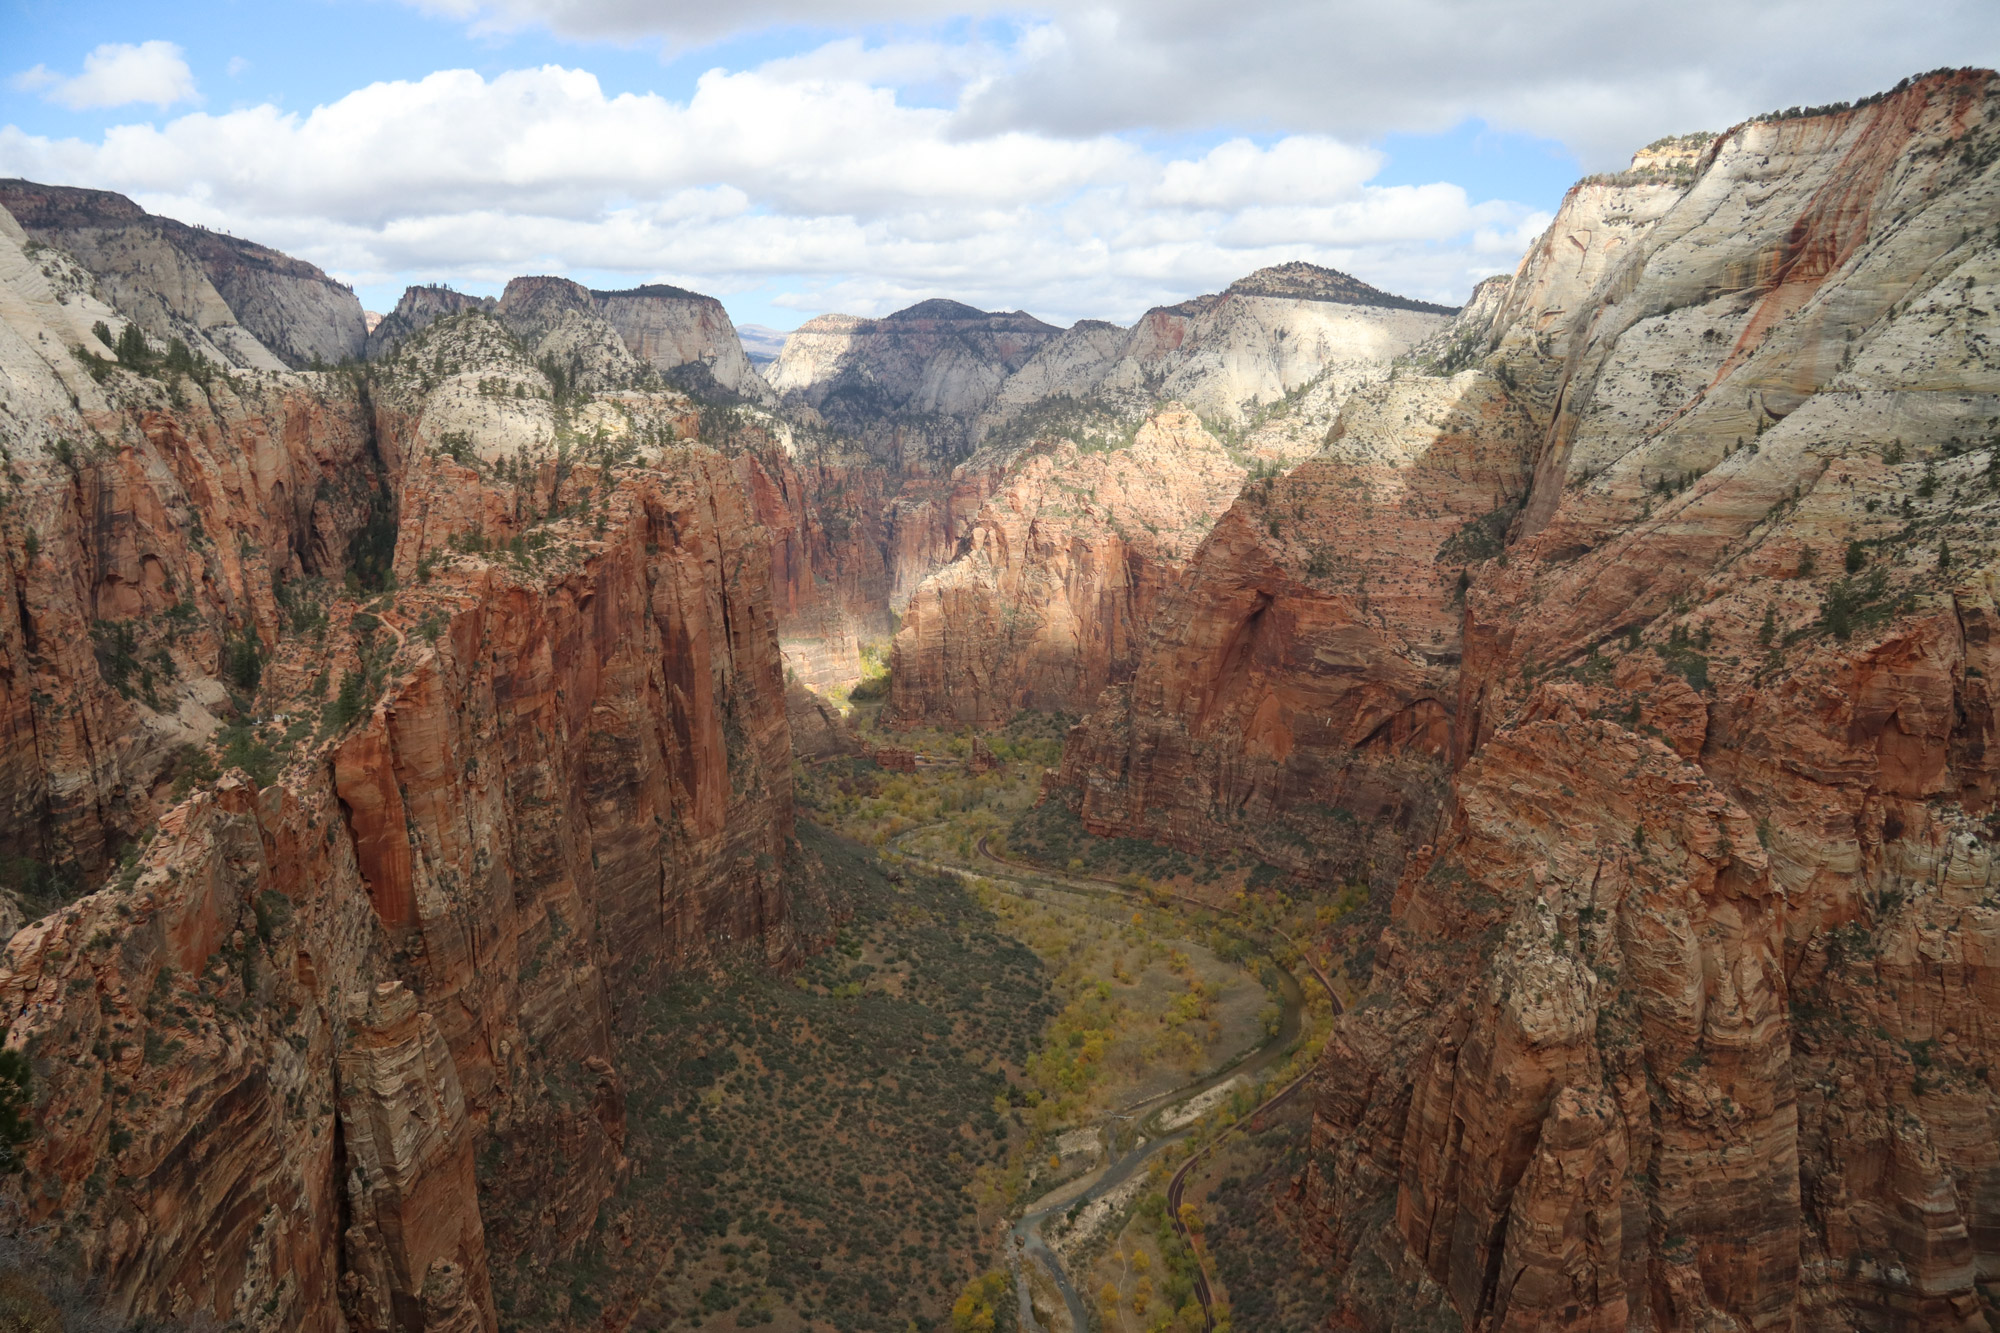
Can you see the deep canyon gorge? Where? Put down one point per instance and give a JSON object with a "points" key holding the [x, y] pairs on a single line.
{"points": [[452, 765]]}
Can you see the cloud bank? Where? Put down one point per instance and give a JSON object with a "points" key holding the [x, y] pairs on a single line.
{"points": [[785, 174], [1602, 77], [1073, 159]]}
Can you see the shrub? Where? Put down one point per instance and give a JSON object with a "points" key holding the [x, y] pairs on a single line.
{"points": [[15, 1104], [242, 662]]}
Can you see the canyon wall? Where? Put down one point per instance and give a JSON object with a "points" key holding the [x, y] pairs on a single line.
{"points": [[1295, 688], [1042, 597], [908, 388], [1058, 578], [1270, 335], [1660, 629], [433, 711], [235, 301], [685, 336]]}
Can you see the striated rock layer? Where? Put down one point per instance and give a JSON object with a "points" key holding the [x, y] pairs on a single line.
{"points": [[232, 300], [333, 1042], [1059, 576], [1229, 357], [1685, 588], [685, 336], [1296, 686]]}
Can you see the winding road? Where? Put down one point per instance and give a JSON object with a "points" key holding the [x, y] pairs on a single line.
{"points": [[1031, 881]]}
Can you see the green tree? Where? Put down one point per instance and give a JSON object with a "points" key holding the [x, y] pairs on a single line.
{"points": [[244, 665], [15, 1102], [347, 705]]}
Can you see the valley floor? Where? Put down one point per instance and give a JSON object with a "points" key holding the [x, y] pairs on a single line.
{"points": [[845, 1148]]}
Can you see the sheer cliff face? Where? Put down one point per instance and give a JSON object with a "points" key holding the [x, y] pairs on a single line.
{"points": [[334, 1039], [147, 526], [674, 329], [1051, 586], [1272, 334], [1296, 685], [232, 300], [909, 386], [1674, 1024], [1061, 572], [681, 335]]}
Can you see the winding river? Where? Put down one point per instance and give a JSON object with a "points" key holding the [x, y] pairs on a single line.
{"points": [[1130, 1137]]}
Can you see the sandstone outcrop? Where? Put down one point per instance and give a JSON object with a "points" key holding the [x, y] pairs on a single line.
{"points": [[684, 333], [908, 386], [1269, 335], [332, 1042], [416, 309], [1296, 686], [684, 336], [981, 759], [1059, 576], [235, 301], [1071, 573], [1672, 1024], [819, 729], [150, 523]]}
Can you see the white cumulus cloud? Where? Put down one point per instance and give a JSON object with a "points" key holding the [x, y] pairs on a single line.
{"points": [[1600, 76], [118, 74], [827, 185]]}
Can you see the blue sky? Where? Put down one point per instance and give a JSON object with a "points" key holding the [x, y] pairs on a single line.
{"points": [[1084, 161]]}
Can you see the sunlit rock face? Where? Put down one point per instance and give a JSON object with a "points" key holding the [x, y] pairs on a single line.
{"points": [[370, 739], [1063, 569], [1675, 1022], [232, 300], [1086, 503], [324, 1040]]}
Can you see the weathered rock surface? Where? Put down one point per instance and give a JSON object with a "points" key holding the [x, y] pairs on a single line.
{"points": [[338, 1042], [909, 386], [416, 309], [1297, 683], [1269, 335], [1059, 577], [683, 335], [819, 730], [119, 600], [233, 300], [1281, 351], [1673, 1025], [682, 331]]}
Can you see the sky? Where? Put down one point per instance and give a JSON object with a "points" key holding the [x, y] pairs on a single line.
{"points": [[791, 157]]}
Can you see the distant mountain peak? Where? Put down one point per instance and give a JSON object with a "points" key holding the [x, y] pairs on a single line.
{"points": [[939, 307], [1300, 281], [654, 289]]}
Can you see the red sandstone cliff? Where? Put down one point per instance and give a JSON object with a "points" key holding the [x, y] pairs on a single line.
{"points": [[1675, 1023], [1058, 577], [337, 1042]]}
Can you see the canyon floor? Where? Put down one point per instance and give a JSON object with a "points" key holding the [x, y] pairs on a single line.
{"points": [[1156, 959]]}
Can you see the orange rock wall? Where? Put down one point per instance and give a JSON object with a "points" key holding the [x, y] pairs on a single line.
{"points": [[1058, 577], [1677, 1021], [335, 1049]]}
